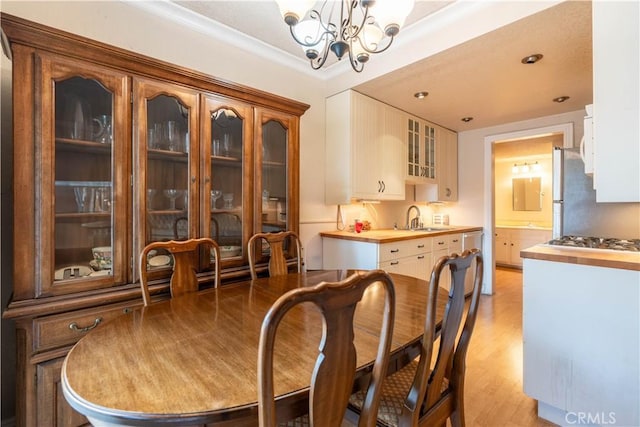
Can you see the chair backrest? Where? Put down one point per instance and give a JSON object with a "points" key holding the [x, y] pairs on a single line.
{"points": [[277, 260], [186, 262], [333, 376], [437, 390]]}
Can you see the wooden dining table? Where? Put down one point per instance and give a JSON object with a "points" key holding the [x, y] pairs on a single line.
{"points": [[192, 360]]}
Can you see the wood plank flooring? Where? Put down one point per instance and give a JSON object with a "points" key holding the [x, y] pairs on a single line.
{"points": [[493, 384]]}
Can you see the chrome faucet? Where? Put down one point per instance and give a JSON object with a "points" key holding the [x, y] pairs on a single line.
{"points": [[415, 222]]}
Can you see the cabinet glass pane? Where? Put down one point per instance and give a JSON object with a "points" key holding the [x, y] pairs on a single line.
{"points": [[83, 178], [274, 176], [226, 198], [167, 169]]}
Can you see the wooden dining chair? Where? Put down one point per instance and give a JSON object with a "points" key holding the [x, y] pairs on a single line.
{"points": [[186, 262], [426, 394], [332, 380], [277, 260]]}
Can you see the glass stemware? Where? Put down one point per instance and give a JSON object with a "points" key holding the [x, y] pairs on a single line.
{"points": [[215, 195], [228, 200], [173, 138], [172, 194], [151, 193]]}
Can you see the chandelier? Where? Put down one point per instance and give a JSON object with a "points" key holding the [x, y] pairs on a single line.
{"points": [[356, 28]]}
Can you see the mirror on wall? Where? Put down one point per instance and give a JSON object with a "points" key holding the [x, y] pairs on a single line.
{"points": [[526, 194]]}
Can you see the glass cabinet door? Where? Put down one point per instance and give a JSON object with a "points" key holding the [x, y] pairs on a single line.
{"points": [[276, 183], [83, 153], [166, 169], [227, 147]]}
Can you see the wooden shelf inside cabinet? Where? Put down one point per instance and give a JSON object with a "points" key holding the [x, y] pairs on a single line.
{"points": [[74, 216], [235, 211], [157, 154], [167, 212], [274, 164], [66, 144], [226, 160]]}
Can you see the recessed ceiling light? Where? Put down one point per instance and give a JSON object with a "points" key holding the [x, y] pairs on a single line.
{"points": [[421, 95], [466, 119], [561, 99], [531, 59]]}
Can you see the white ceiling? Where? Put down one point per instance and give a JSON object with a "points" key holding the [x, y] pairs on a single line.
{"points": [[482, 78]]}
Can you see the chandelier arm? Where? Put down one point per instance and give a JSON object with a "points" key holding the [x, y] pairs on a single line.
{"points": [[355, 64], [365, 18], [391, 38], [328, 30], [318, 62]]}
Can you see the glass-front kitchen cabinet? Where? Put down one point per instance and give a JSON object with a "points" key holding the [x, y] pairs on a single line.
{"points": [[111, 151]]}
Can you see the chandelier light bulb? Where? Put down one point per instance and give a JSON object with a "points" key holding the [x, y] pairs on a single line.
{"points": [[391, 14], [293, 11]]}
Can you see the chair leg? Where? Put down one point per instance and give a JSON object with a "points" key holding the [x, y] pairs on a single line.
{"points": [[457, 417]]}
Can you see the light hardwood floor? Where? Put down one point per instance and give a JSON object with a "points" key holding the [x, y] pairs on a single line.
{"points": [[493, 384], [493, 381]]}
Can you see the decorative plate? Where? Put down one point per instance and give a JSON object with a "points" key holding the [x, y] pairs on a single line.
{"points": [[159, 260]]}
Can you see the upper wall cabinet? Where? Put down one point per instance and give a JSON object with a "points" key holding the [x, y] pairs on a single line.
{"points": [[421, 151], [616, 101], [447, 170], [364, 149], [444, 186], [111, 151]]}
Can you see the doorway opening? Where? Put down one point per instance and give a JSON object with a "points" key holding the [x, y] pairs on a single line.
{"points": [[517, 144]]}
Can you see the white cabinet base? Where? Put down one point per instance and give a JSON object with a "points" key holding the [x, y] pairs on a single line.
{"points": [[581, 342]]}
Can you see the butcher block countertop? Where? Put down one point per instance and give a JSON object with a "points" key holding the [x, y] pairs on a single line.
{"points": [[391, 235], [625, 260]]}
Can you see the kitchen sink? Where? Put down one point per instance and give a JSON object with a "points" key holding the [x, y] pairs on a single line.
{"points": [[435, 228], [431, 228]]}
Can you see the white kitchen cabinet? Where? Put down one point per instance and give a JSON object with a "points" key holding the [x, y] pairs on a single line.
{"points": [[445, 245], [421, 151], [444, 187], [447, 166], [364, 149], [581, 329], [510, 241], [616, 100], [410, 257]]}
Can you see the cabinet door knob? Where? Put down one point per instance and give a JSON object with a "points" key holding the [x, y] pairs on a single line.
{"points": [[448, 192], [383, 186]]}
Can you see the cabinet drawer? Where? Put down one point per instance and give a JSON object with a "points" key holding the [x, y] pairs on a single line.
{"points": [[404, 248], [65, 329], [455, 243]]}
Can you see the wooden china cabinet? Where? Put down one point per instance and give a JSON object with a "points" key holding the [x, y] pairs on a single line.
{"points": [[113, 150]]}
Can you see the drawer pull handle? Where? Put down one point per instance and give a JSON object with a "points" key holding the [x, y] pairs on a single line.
{"points": [[455, 240], [393, 251], [441, 243], [395, 262], [421, 257], [74, 326], [420, 246]]}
